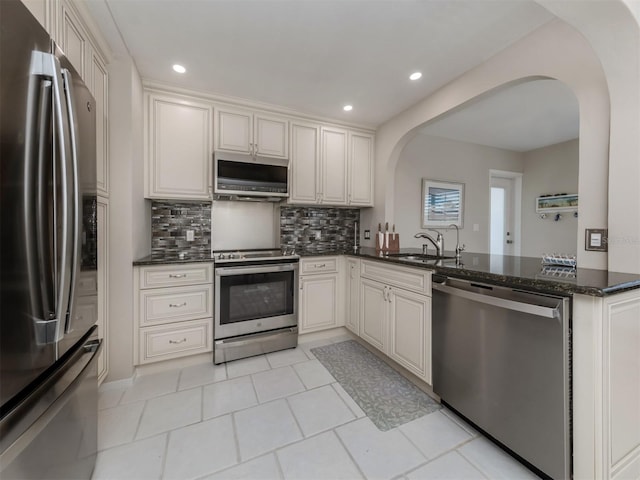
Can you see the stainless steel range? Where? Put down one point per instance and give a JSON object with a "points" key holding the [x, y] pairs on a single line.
{"points": [[256, 303]]}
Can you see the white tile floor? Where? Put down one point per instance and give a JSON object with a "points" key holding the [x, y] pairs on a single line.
{"points": [[277, 416]]}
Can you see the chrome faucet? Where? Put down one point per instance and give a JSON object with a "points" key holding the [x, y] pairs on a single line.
{"points": [[438, 242], [459, 249]]}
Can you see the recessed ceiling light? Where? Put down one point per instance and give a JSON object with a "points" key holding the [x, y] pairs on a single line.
{"points": [[179, 68], [347, 108], [415, 76]]}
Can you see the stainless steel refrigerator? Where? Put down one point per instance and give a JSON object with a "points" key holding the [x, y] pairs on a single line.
{"points": [[48, 257]]}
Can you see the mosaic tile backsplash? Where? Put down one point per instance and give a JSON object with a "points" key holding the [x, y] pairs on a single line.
{"points": [[318, 230], [169, 224]]}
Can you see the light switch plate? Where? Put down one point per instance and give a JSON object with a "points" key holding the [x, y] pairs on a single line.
{"points": [[190, 235], [595, 239]]}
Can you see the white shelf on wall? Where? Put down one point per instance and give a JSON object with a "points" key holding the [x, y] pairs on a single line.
{"points": [[565, 202]]}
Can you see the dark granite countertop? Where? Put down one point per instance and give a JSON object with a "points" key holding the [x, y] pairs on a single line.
{"points": [[516, 272], [172, 258]]}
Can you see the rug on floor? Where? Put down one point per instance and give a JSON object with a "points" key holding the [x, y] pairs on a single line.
{"points": [[387, 398]]}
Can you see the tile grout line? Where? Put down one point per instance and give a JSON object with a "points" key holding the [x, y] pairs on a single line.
{"points": [[166, 454], [335, 432], [236, 439]]}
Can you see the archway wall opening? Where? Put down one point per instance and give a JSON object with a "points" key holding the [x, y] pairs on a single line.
{"points": [[556, 50]]}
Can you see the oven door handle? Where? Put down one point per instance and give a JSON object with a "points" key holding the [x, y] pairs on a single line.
{"points": [[226, 271]]}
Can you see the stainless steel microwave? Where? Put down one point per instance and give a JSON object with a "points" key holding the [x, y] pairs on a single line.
{"points": [[242, 177]]}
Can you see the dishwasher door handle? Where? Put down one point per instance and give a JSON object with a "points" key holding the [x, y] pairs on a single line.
{"points": [[539, 310]]}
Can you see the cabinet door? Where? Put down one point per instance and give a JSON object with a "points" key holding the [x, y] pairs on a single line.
{"points": [[334, 166], [73, 39], [235, 130], [373, 313], [42, 10], [305, 156], [99, 89], [360, 169], [103, 286], [353, 295], [410, 332], [179, 148], [271, 136], [318, 302]]}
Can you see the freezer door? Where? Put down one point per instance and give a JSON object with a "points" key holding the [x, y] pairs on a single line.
{"points": [[27, 279], [53, 433]]}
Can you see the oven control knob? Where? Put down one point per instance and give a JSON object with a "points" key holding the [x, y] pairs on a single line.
{"points": [[232, 256], [221, 256]]}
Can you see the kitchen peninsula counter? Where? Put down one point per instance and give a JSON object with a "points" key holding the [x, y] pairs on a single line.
{"points": [[511, 271]]}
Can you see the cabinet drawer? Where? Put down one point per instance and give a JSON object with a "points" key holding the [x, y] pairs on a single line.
{"points": [[318, 265], [175, 340], [414, 279], [164, 305], [169, 276]]}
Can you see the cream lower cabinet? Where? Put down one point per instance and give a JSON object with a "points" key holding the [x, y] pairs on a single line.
{"points": [[395, 314], [320, 297], [352, 295], [174, 311]]}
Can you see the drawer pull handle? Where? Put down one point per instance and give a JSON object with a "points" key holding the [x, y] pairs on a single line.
{"points": [[320, 266], [177, 275], [178, 305], [175, 342]]}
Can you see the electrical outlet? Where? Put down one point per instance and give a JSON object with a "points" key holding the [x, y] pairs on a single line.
{"points": [[190, 235], [318, 235], [367, 234], [596, 239]]}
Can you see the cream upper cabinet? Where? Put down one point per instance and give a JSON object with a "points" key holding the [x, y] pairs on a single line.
{"points": [[99, 89], [330, 166], [73, 39], [303, 169], [360, 169], [43, 11], [252, 133], [177, 147], [333, 166]]}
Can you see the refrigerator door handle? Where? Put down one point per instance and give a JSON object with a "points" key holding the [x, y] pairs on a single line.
{"points": [[48, 326], [62, 136], [36, 213], [75, 192]]}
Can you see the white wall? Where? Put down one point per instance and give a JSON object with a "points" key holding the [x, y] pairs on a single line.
{"points": [[549, 170], [612, 28], [439, 158], [555, 50]]}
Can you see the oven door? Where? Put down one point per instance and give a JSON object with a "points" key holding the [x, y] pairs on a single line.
{"points": [[256, 298]]}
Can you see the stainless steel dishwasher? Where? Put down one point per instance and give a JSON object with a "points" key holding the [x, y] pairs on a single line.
{"points": [[501, 358]]}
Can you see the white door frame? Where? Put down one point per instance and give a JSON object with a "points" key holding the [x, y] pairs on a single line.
{"points": [[516, 177]]}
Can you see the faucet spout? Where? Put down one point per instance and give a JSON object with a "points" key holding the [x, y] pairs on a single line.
{"points": [[438, 243], [459, 249]]}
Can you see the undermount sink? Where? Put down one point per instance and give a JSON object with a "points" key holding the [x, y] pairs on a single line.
{"points": [[419, 257]]}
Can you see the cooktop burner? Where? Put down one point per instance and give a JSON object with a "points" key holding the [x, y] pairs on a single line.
{"points": [[233, 256]]}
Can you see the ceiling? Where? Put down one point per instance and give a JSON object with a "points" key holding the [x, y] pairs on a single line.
{"points": [[521, 117], [314, 56]]}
